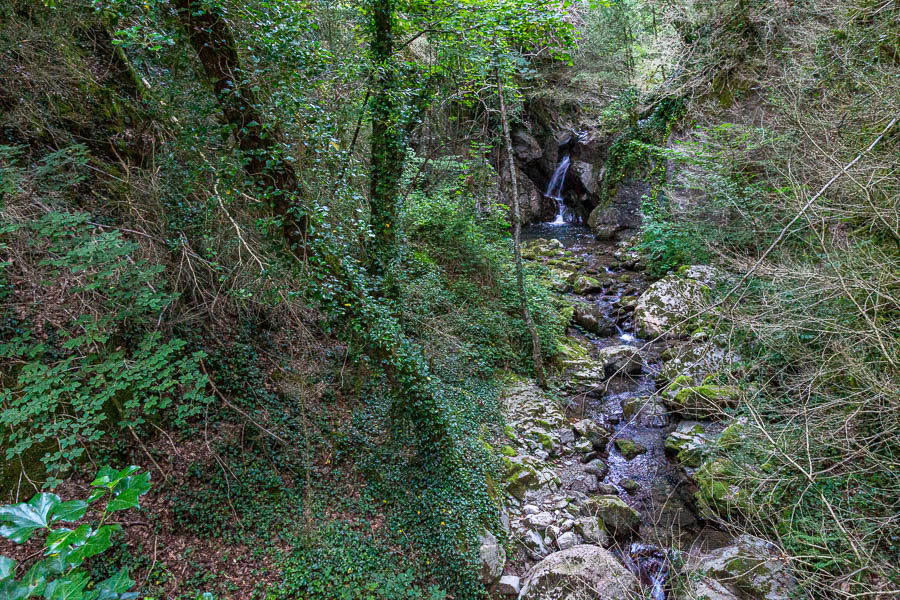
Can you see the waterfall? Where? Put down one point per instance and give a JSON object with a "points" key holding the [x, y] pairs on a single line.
{"points": [[554, 189]]}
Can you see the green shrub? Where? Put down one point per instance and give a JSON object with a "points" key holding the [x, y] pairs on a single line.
{"points": [[99, 362], [60, 573]]}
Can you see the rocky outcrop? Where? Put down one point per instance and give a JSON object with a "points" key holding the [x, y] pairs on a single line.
{"points": [[749, 567], [579, 572], [696, 360], [670, 307]]}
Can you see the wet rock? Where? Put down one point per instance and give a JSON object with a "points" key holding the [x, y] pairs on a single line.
{"points": [[592, 319], [585, 284], [629, 485], [493, 557], [749, 567], [586, 176], [669, 307], [619, 519], [629, 448], [621, 360], [597, 467], [579, 572], [592, 431], [648, 411], [509, 585]]}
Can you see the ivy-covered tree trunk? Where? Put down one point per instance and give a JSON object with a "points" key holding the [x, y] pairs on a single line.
{"points": [[405, 369], [388, 133], [211, 38], [536, 354]]}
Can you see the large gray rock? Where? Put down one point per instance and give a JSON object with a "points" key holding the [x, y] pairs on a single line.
{"points": [[493, 557], [585, 173], [605, 222], [618, 518], [577, 573], [509, 585], [669, 307], [592, 318], [621, 360], [525, 146], [750, 567], [696, 360]]}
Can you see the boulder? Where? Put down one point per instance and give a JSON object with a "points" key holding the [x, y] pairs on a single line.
{"points": [[591, 318], [696, 361], [703, 401], [619, 519], [597, 468], [593, 432], [592, 530], [629, 448], [605, 222], [509, 585], [669, 307], [621, 360], [749, 567], [566, 540], [648, 411], [585, 284], [493, 557], [525, 146], [582, 571], [585, 173]]}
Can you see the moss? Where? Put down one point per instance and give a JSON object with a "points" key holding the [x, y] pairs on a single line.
{"points": [[508, 451], [629, 448]]}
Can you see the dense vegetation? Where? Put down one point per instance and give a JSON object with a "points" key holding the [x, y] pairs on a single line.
{"points": [[263, 250]]}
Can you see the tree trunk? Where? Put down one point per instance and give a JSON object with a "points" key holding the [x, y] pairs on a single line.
{"points": [[404, 367], [211, 37], [387, 144], [537, 357]]}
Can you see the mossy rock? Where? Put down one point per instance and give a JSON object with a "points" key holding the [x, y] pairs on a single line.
{"points": [[618, 518], [586, 284], [629, 448], [717, 491], [704, 401]]}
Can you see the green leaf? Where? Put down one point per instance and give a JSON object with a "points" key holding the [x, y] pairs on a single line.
{"points": [[69, 511], [116, 586], [128, 490], [24, 518], [61, 539], [97, 542], [7, 565], [70, 587]]}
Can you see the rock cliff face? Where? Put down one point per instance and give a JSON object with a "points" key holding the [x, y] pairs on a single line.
{"points": [[546, 134]]}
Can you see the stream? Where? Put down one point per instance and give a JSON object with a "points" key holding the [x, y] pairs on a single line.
{"points": [[626, 406]]}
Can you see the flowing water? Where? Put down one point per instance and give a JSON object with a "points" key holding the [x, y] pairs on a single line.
{"points": [[554, 190], [660, 495]]}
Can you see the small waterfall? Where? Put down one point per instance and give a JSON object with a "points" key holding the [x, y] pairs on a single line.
{"points": [[554, 189]]}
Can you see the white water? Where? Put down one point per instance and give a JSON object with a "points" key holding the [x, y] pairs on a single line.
{"points": [[554, 189]]}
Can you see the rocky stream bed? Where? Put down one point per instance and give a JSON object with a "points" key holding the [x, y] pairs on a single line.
{"points": [[603, 474]]}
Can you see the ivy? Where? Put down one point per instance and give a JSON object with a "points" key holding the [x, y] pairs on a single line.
{"points": [[59, 574]]}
